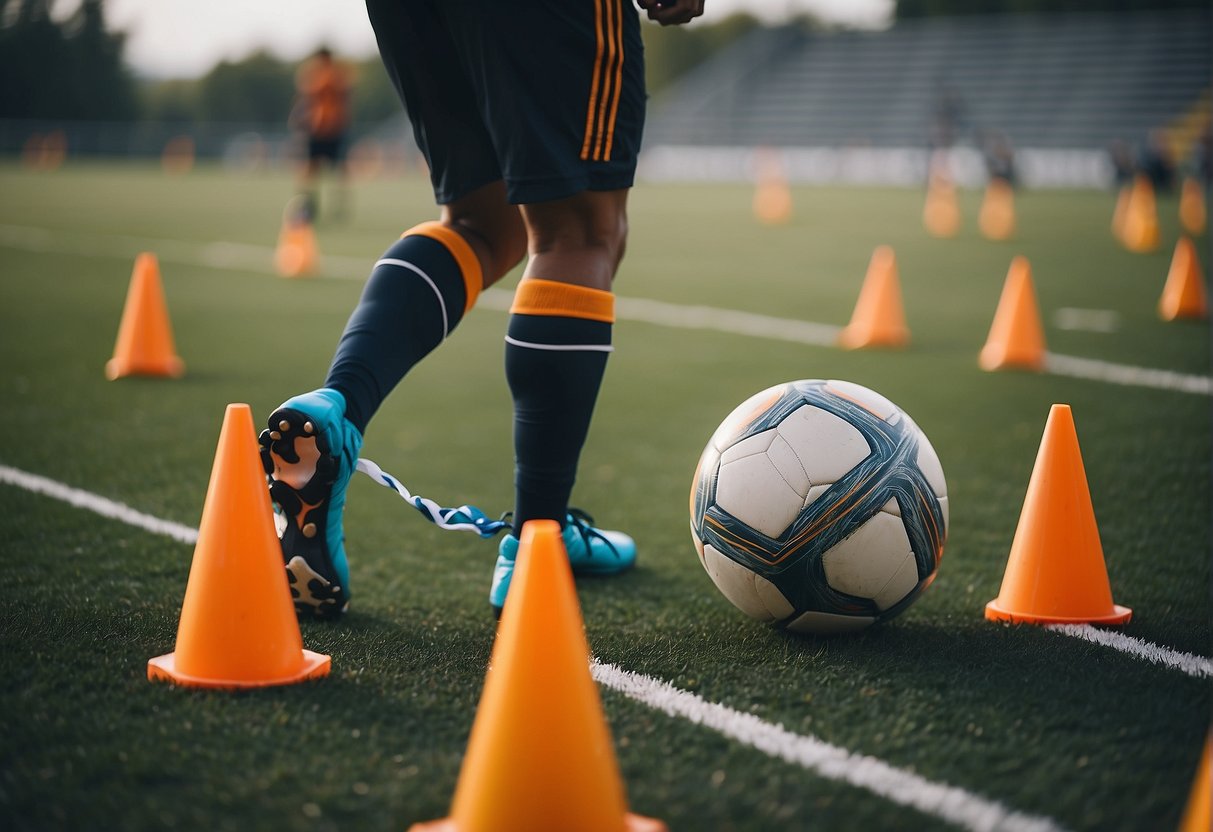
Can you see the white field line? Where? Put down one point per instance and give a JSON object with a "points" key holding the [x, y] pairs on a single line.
{"points": [[254, 258], [1198, 666], [97, 504], [949, 803]]}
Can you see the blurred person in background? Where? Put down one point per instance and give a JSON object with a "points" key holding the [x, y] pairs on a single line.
{"points": [[321, 114]]}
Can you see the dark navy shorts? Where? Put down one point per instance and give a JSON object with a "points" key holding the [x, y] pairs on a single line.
{"points": [[332, 149], [545, 94]]}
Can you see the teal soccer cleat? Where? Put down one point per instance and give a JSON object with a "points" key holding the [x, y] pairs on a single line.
{"points": [[591, 552], [309, 452]]}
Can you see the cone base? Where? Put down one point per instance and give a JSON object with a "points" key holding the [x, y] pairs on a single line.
{"points": [[117, 368], [858, 340], [997, 612], [993, 362], [631, 823], [164, 669]]}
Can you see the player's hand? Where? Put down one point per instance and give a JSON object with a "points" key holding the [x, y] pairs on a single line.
{"points": [[672, 12]]}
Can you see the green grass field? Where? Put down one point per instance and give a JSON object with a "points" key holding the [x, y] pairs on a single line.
{"points": [[1046, 725]]}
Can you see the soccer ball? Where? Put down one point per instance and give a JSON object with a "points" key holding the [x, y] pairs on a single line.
{"points": [[820, 507]]}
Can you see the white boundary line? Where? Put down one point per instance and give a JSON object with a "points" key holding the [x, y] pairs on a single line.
{"points": [[1198, 666], [97, 504], [949, 803], [246, 257]]}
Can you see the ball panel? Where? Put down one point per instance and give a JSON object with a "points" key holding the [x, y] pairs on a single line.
{"points": [[750, 488], [783, 456], [744, 415], [825, 623], [870, 400], [862, 563], [901, 583], [750, 593], [828, 446]]}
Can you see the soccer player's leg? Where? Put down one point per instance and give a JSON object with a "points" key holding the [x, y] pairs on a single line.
{"points": [[417, 294], [557, 343]]}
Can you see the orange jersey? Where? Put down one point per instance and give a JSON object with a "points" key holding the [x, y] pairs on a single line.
{"points": [[324, 88]]}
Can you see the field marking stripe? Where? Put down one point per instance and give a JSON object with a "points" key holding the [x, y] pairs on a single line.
{"points": [[948, 803], [97, 504], [1198, 666], [248, 257]]}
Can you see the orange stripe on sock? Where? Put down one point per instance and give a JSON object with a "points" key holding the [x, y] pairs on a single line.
{"points": [[465, 258], [567, 300]]}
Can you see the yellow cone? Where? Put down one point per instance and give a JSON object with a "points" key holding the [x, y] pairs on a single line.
{"points": [[1016, 337], [879, 319], [540, 754]]}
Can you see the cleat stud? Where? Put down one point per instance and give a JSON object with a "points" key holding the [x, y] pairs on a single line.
{"points": [[284, 425], [309, 529], [308, 427], [275, 435]]}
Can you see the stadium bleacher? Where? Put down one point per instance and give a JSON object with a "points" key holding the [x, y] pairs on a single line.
{"points": [[1046, 82]]}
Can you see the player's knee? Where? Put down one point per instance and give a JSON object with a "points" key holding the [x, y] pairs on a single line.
{"points": [[596, 228], [499, 242]]}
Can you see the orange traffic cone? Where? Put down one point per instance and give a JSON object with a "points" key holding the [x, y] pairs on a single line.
{"points": [[879, 319], [772, 196], [540, 756], [1121, 213], [238, 627], [1192, 214], [1016, 337], [1184, 296], [296, 254], [1198, 815], [1140, 232], [941, 211], [145, 336], [997, 217], [1056, 573]]}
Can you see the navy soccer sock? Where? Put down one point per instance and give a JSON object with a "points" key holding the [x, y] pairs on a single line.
{"points": [[416, 294], [556, 351]]}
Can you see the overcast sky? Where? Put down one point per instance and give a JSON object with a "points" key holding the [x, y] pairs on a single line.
{"points": [[185, 38]]}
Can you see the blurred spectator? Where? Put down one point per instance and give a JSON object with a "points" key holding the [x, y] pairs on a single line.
{"points": [[322, 114], [1157, 162], [1123, 168], [999, 156]]}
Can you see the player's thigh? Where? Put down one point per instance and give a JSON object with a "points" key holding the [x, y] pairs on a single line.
{"points": [[430, 72], [561, 88]]}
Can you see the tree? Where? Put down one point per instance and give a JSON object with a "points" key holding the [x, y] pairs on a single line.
{"points": [[69, 70]]}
